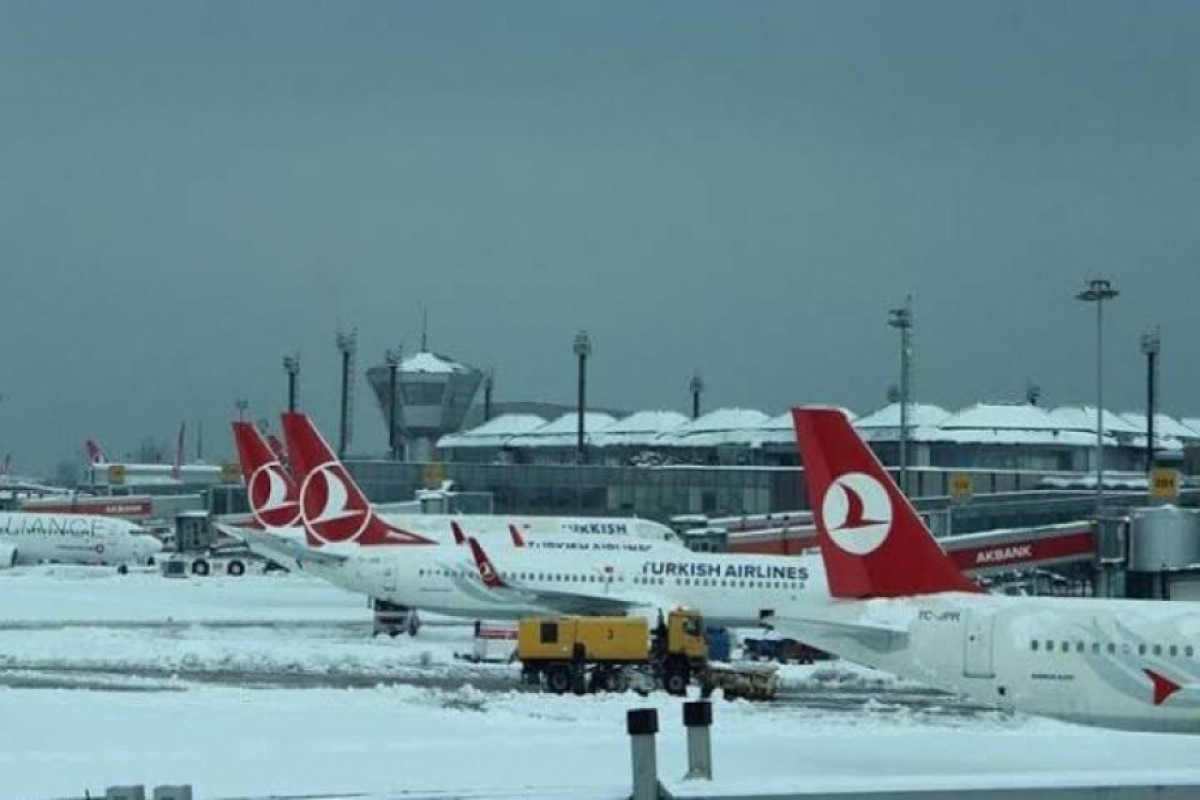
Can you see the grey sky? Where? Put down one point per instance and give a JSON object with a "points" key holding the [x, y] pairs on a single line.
{"points": [[188, 191]]}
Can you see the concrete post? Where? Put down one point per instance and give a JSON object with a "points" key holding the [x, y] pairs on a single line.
{"points": [[642, 724], [697, 718]]}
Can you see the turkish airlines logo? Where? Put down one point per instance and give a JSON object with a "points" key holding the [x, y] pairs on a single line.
{"points": [[330, 511], [857, 513], [486, 572], [269, 497]]}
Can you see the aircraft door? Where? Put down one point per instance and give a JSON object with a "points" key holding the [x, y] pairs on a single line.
{"points": [[977, 646]]}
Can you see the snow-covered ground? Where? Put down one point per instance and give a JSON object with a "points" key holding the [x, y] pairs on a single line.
{"points": [[272, 685]]}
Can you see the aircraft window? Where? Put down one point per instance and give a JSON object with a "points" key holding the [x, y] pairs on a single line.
{"points": [[1189, 651], [1033, 645], [1126, 648], [1112, 648], [1141, 649], [1079, 647], [1095, 648], [1174, 651], [1066, 647], [1158, 649], [1049, 647]]}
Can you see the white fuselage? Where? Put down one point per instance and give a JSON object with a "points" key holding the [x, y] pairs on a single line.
{"points": [[732, 590], [1081, 660], [30, 538]]}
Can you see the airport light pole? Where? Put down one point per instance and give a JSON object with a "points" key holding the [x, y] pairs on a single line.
{"points": [[902, 319], [241, 404], [347, 344], [697, 387], [583, 349], [1098, 290], [392, 357], [1151, 344], [291, 365], [489, 382]]}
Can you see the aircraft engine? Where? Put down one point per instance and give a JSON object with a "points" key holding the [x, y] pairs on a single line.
{"points": [[8, 555]]}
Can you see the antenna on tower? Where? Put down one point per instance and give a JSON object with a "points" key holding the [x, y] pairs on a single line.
{"points": [[424, 329]]}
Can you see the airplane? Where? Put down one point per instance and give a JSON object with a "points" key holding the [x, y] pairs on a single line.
{"points": [[594, 576], [29, 538], [901, 605], [272, 495]]}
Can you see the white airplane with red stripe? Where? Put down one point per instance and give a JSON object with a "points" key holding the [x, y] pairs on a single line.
{"points": [[352, 546], [901, 605]]}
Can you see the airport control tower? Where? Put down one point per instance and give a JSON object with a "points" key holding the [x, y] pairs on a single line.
{"points": [[433, 394]]}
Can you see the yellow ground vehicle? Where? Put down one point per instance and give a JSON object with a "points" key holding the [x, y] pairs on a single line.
{"points": [[583, 654]]}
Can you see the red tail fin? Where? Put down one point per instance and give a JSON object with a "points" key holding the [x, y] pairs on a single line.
{"points": [[872, 541], [177, 465], [487, 571], [94, 454], [277, 447], [332, 507], [272, 493], [517, 539], [459, 538]]}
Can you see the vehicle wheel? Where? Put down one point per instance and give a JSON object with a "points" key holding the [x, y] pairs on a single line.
{"points": [[616, 680], [123, 569], [199, 567], [558, 680], [235, 568], [676, 682], [414, 623]]}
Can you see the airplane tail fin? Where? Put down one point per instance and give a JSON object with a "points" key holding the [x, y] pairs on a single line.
{"points": [[487, 571], [517, 539], [459, 537], [277, 447], [333, 508], [274, 498], [177, 465], [872, 541], [94, 454]]}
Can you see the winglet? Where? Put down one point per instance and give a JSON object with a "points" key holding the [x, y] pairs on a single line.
{"points": [[487, 572], [872, 541], [459, 537], [1164, 687], [517, 539], [333, 508]]}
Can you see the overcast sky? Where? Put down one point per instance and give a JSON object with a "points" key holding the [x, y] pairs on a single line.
{"points": [[189, 191]]}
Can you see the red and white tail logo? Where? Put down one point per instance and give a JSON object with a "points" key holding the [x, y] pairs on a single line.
{"points": [[94, 454], [487, 572], [332, 507], [872, 541], [457, 531], [272, 493]]}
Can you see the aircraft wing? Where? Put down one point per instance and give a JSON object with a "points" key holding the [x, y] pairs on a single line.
{"points": [[820, 625], [289, 552]]}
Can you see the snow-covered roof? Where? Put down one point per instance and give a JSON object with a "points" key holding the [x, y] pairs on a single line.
{"points": [[562, 432], [493, 433], [641, 428], [1193, 423], [889, 416], [1163, 425], [780, 430], [722, 426], [431, 362], [1083, 418], [1001, 416]]}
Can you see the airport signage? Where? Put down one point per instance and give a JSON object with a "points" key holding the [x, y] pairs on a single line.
{"points": [[1164, 483], [1079, 544], [961, 486]]}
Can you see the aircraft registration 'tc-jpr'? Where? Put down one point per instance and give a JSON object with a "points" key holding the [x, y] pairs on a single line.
{"points": [[903, 606]]}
